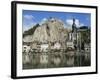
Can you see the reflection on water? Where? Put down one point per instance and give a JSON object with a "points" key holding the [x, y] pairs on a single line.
{"points": [[56, 59]]}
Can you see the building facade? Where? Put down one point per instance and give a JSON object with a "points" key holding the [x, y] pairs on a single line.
{"points": [[74, 40]]}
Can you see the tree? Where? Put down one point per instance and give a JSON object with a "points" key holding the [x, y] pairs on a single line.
{"points": [[30, 31]]}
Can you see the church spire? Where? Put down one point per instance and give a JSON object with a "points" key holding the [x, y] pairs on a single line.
{"points": [[73, 25], [73, 20]]}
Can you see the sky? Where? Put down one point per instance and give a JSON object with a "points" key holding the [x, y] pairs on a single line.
{"points": [[31, 18]]}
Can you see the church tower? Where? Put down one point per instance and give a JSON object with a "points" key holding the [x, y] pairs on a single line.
{"points": [[74, 33], [74, 29]]}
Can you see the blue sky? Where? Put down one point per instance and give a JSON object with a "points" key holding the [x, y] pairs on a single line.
{"points": [[31, 17]]}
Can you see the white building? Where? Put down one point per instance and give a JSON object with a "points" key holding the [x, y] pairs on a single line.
{"points": [[44, 47], [70, 44], [26, 48], [57, 45], [74, 36]]}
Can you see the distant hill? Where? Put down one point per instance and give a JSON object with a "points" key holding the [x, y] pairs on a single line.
{"points": [[83, 27]]}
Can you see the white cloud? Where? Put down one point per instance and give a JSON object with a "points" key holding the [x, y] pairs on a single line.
{"points": [[28, 22], [28, 17], [43, 21], [81, 24], [77, 23], [69, 22]]}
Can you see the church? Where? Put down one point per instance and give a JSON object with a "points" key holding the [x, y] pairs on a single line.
{"points": [[74, 37]]}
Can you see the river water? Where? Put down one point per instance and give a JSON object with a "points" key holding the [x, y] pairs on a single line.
{"points": [[56, 59]]}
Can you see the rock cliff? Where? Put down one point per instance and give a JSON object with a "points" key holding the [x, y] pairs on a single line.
{"points": [[51, 30]]}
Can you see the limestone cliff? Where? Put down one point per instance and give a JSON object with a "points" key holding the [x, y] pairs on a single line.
{"points": [[52, 30]]}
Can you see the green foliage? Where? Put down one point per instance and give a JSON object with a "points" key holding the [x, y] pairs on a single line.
{"points": [[30, 31], [83, 27], [85, 36]]}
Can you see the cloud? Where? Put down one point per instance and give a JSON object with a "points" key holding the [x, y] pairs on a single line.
{"points": [[43, 21], [28, 17], [69, 22], [81, 24], [28, 22]]}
